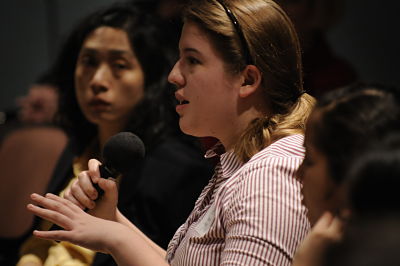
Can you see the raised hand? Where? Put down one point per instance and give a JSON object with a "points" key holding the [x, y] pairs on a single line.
{"points": [[80, 227], [327, 230]]}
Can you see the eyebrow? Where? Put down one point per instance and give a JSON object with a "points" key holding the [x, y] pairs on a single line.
{"points": [[114, 52], [187, 50]]}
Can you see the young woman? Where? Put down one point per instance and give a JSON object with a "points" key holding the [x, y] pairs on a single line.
{"points": [[342, 127], [114, 78], [238, 79]]}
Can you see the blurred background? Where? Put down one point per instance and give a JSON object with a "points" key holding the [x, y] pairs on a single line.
{"points": [[32, 30]]}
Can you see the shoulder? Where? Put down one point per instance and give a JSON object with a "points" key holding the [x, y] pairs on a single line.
{"points": [[285, 152], [287, 147], [37, 138], [276, 163]]}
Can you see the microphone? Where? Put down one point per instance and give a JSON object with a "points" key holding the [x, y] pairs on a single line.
{"points": [[121, 153]]}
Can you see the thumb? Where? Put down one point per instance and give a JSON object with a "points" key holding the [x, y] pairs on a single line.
{"points": [[110, 190]]}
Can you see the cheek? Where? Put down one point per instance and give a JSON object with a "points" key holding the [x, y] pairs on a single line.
{"points": [[314, 187], [130, 93], [80, 78]]}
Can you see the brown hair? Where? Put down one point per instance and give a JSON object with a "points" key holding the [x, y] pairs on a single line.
{"points": [[275, 51]]}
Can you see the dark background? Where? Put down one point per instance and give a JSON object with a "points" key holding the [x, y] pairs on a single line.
{"points": [[31, 31]]}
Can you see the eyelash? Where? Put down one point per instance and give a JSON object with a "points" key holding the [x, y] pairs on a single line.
{"points": [[88, 61], [120, 66], [92, 62], [193, 61]]}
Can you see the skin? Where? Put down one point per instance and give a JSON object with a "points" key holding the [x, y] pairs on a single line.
{"points": [[319, 190], [323, 199], [39, 105], [109, 80], [199, 73], [327, 230]]}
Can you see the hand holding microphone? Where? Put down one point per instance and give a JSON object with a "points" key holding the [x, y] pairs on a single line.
{"points": [[121, 154]]}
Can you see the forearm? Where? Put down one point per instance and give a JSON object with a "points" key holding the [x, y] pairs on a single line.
{"points": [[123, 220], [131, 247]]}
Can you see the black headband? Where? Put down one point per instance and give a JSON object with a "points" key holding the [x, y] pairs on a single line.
{"points": [[235, 22]]}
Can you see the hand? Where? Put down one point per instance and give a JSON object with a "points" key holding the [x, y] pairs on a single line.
{"points": [[39, 105], [84, 195], [327, 230], [80, 227]]}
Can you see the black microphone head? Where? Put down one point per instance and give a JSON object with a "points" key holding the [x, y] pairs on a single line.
{"points": [[122, 151]]}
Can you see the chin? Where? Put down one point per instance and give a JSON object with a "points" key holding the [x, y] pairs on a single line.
{"points": [[192, 129], [185, 128]]}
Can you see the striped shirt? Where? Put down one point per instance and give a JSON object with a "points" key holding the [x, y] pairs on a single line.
{"points": [[248, 214]]}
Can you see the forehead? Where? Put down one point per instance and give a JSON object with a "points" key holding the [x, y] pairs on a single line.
{"points": [[108, 38], [195, 38]]}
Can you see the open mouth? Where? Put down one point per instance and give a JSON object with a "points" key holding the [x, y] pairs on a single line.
{"points": [[183, 102]]}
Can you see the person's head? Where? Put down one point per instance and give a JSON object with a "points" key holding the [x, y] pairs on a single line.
{"points": [[374, 178], [239, 75], [113, 74], [339, 129], [40, 104]]}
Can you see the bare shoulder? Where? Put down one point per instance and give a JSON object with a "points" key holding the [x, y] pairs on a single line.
{"points": [[35, 138]]}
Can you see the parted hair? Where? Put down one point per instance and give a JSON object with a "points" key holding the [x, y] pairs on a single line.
{"points": [[154, 115], [274, 49]]}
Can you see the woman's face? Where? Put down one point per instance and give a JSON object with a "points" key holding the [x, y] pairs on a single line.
{"points": [[109, 80], [206, 92], [319, 190]]}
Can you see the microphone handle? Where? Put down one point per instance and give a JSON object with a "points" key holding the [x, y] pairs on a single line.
{"points": [[105, 172]]}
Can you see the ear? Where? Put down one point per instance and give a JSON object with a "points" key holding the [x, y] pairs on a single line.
{"points": [[251, 81]]}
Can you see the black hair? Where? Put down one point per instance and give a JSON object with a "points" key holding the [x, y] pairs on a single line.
{"points": [[374, 179], [352, 117], [154, 115]]}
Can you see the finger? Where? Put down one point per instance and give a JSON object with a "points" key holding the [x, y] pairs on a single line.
{"points": [[110, 189], [85, 181], [50, 215], [71, 198], [56, 203], [324, 221], [60, 235], [93, 166], [78, 195], [336, 228], [68, 206]]}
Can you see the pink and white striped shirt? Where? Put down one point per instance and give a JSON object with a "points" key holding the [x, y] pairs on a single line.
{"points": [[248, 214]]}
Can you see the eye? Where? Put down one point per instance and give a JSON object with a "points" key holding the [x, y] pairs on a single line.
{"points": [[120, 66], [193, 61], [88, 60]]}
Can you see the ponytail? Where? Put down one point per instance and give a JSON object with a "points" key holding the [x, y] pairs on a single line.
{"points": [[263, 131]]}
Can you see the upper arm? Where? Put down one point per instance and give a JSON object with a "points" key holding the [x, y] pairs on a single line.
{"points": [[27, 159]]}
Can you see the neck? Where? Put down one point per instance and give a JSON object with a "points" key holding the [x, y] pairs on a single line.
{"points": [[104, 133], [247, 113]]}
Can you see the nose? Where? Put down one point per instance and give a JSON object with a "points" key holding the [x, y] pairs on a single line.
{"points": [[175, 76], [101, 79]]}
